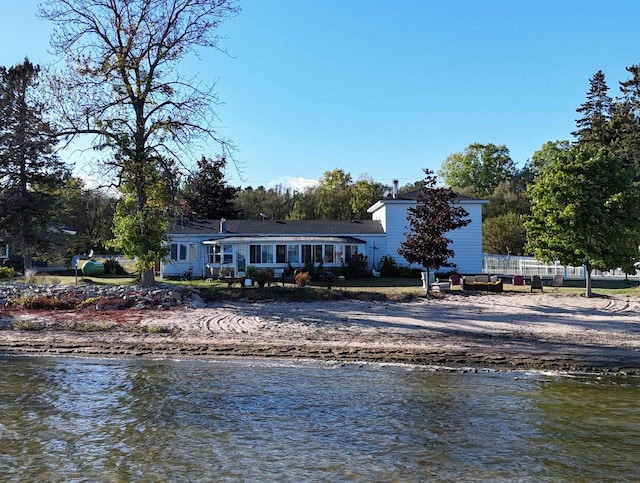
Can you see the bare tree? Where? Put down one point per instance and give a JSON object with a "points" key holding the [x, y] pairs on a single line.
{"points": [[122, 85]]}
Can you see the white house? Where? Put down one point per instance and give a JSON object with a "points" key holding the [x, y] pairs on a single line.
{"points": [[206, 247]]}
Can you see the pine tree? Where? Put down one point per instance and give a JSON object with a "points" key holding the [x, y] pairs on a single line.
{"points": [[596, 113], [207, 194], [434, 215], [30, 171]]}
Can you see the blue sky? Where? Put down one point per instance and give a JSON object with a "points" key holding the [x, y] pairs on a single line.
{"points": [[388, 88]]}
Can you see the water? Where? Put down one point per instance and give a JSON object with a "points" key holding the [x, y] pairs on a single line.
{"points": [[68, 419]]}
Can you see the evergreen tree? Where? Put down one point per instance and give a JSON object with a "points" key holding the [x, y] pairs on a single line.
{"points": [[593, 126], [206, 193], [625, 119], [434, 216], [30, 172]]}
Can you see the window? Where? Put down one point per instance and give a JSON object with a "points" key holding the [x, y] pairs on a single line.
{"points": [[293, 253], [227, 253], [182, 251], [350, 251], [260, 253], [221, 254], [267, 253], [254, 254], [306, 254], [242, 258], [328, 254], [317, 253], [281, 253]]}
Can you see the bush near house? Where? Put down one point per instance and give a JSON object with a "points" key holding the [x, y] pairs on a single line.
{"points": [[388, 266], [7, 272], [358, 267]]}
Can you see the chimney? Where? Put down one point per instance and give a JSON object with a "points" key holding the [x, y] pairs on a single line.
{"points": [[394, 191], [223, 225]]}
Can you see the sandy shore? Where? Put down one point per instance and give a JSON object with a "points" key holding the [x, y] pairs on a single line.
{"points": [[506, 331]]}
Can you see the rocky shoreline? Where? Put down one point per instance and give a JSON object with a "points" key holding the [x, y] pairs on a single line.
{"points": [[495, 331], [161, 296]]}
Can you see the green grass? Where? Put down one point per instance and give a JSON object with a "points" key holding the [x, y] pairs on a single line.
{"points": [[599, 286], [391, 288], [55, 279]]}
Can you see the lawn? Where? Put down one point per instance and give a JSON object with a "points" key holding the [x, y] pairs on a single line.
{"points": [[385, 287]]}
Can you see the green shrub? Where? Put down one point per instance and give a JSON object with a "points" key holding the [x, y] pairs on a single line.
{"points": [[87, 326], [112, 267], [28, 325], [7, 272], [388, 266], [264, 276], [43, 302], [358, 266], [251, 272]]}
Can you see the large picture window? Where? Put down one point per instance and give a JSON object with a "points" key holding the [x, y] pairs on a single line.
{"points": [[260, 253], [183, 251], [295, 254]]}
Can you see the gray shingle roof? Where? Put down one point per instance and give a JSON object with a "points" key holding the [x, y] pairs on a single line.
{"points": [[279, 227], [413, 195]]}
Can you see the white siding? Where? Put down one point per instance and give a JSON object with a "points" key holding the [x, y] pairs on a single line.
{"points": [[392, 215], [177, 267], [466, 241]]}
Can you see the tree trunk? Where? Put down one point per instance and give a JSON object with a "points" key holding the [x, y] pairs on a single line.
{"points": [[587, 270], [426, 284], [28, 264], [147, 278]]}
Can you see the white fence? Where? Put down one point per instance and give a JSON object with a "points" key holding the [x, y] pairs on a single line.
{"points": [[527, 266]]}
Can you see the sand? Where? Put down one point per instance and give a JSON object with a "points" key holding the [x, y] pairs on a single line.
{"points": [[495, 331]]}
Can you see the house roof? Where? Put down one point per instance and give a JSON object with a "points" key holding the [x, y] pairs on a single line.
{"points": [[278, 227], [413, 195], [285, 238]]}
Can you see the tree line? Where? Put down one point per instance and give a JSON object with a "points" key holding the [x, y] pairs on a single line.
{"points": [[121, 87]]}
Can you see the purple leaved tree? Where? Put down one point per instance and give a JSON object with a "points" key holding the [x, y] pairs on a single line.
{"points": [[434, 216]]}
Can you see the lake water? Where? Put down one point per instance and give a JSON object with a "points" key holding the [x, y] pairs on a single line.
{"points": [[72, 419]]}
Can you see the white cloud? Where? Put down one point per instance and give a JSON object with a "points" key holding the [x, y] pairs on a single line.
{"points": [[295, 183]]}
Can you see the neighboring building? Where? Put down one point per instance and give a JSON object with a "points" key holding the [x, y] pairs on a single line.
{"points": [[206, 247]]}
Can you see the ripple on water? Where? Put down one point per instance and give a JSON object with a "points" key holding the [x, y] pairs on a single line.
{"points": [[110, 420]]}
